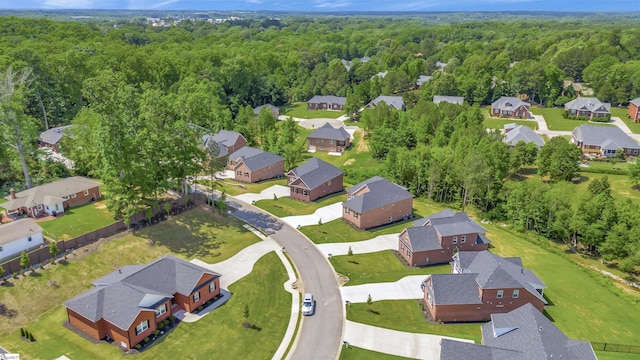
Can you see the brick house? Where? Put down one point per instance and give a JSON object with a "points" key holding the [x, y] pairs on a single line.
{"points": [[52, 137], [376, 202], [313, 180], [510, 107], [274, 110], [521, 334], [326, 102], [256, 165], [127, 304], [228, 142], [588, 106], [328, 139], [481, 284], [434, 239], [54, 197], [603, 140], [393, 102], [634, 110], [18, 236], [514, 133]]}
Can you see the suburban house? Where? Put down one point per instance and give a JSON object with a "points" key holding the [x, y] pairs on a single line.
{"points": [[126, 305], [634, 110], [435, 239], [521, 334], [244, 152], [328, 139], [18, 236], [274, 110], [395, 102], [481, 284], [326, 102], [54, 197], [348, 64], [313, 180], [516, 133], [254, 165], [588, 106], [603, 140], [458, 100], [228, 142], [510, 107], [375, 202], [422, 79], [52, 137]]}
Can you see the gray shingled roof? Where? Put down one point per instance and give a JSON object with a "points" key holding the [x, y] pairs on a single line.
{"points": [[261, 160], [458, 350], [257, 109], [509, 103], [424, 235], [53, 135], [527, 330], [423, 238], [458, 100], [590, 104], [454, 289], [18, 229], [395, 101], [226, 137], [381, 192], [607, 137], [523, 133], [245, 152], [441, 214], [635, 102], [56, 189], [327, 131], [315, 172], [423, 79], [123, 294], [328, 99]]}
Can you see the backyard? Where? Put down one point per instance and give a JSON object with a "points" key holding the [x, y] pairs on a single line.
{"points": [[286, 206], [622, 114], [356, 353], [494, 123], [299, 110], [555, 121], [78, 220]]}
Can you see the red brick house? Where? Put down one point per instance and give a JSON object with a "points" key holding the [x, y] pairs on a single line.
{"points": [[603, 140], [328, 139], [634, 110], [228, 142], [375, 202], [257, 166], [313, 180], [510, 107], [434, 239], [588, 106], [481, 284], [53, 198], [126, 305], [326, 102]]}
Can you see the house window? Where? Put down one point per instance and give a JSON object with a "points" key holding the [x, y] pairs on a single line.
{"points": [[408, 253], [239, 172], [212, 286], [65, 197], [142, 327], [635, 151], [390, 218], [73, 196], [329, 183], [304, 192], [291, 180], [196, 296], [39, 207], [57, 208], [86, 193], [429, 299], [295, 190], [463, 238], [160, 310], [455, 239], [346, 210], [500, 293], [0, 248], [516, 293], [246, 174], [355, 214]]}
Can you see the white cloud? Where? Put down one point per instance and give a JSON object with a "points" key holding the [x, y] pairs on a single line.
{"points": [[322, 4], [69, 4], [254, 1]]}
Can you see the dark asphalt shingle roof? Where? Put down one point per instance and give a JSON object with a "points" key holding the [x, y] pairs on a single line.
{"points": [[424, 235], [49, 192], [261, 160], [394, 101], [423, 238], [327, 131], [18, 229], [257, 109], [590, 104], [523, 133], [509, 103], [458, 350], [423, 79], [315, 172], [454, 289], [245, 152], [607, 137], [318, 99], [635, 102], [381, 192], [527, 330], [54, 135]]}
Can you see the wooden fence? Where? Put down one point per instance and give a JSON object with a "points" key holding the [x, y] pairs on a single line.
{"points": [[144, 218]]}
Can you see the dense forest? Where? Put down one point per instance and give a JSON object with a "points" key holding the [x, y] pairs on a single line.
{"points": [[139, 94]]}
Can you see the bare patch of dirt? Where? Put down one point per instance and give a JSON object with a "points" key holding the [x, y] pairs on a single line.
{"points": [[362, 145], [101, 205], [349, 162], [342, 279]]}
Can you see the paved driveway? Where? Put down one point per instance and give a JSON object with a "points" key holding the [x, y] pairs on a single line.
{"points": [[326, 214], [399, 343], [619, 123], [379, 243], [542, 123], [266, 194], [406, 288]]}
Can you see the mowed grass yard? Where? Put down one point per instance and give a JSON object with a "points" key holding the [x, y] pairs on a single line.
{"points": [[494, 123], [622, 114], [233, 187], [289, 207], [356, 353], [555, 121], [79, 220], [196, 233], [299, 110], [220, 332]]}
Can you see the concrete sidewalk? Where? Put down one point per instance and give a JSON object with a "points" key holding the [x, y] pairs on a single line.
{"points": [[406, 288], [619, 123], [266, 194], [399, 343], [326, 213], [378, 243]]}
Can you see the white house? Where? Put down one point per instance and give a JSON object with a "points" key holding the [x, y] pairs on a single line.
{"points": [[18, 236]]}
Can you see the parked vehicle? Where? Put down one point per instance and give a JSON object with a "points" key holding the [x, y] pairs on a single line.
{"points": [[308, 305]]}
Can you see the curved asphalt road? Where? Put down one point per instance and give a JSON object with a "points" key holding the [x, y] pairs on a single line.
{"points": [[320, 335]]}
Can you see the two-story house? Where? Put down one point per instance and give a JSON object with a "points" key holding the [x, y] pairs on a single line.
{"points": [[228, 142], [328, 139], [314, 179], [510, 107]]}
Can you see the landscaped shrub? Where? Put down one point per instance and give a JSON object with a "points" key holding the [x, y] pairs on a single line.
{"points": [[172, 318], [138, 346], [22, 332], [31, 338], [146, 339], [156, 332], [199, 308]]}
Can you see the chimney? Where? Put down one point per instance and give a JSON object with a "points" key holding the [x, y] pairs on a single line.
{"points": [[12, 193]]}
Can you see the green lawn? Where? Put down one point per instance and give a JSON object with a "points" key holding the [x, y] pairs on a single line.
{"points": [[194, 233], [378, 267], [79, 220], [555, 121], [608, 355], [406, 315], [494, 123], [356, 353], [289, 207], [2, 200], [220, 332], [607, 166], [622, 114], [299, 110], [621, 186], [233, 187]]}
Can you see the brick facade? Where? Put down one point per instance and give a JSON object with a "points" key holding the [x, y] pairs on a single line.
{"points": [[327, 145], [324, 106], [634, 112], [387, 214], [520, 113], [299, 191], [439, 256], [243, 174]]}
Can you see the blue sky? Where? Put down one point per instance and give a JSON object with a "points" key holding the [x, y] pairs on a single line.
{"points": [[332, 5]]}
